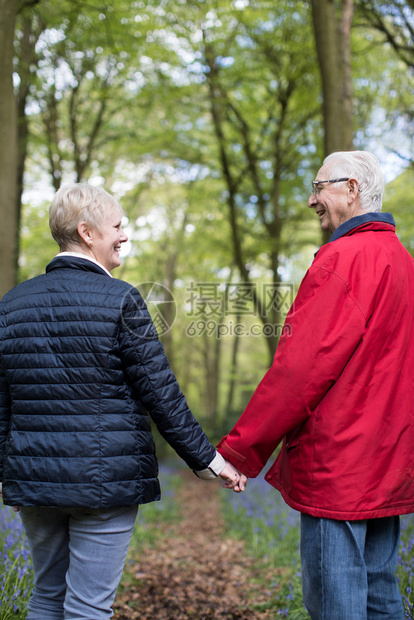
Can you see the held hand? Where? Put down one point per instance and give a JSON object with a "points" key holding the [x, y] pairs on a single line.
{"points": [[230, 475], [233, 479], [242, 484]]}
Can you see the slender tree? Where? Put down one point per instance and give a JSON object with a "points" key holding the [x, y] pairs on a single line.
{"points": [[332, 22], [29, 29], [8, 147]]}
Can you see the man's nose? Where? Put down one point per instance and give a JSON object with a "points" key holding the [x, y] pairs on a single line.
{"points": [[313, 201]]}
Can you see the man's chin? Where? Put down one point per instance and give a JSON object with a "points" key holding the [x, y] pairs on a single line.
{"points": [[325, 228]]}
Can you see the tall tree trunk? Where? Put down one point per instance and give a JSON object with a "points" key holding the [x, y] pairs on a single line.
{"points": [[8, 148], [211, 348], [332, 30], [345, 27], [27, 58]]}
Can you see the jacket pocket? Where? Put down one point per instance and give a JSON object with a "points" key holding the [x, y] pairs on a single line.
{"points": [[292, 444], [293, 438]]}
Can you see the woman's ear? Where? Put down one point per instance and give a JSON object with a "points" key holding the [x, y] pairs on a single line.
{"points": [[85, 233]]}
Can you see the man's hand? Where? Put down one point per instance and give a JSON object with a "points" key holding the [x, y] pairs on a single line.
{"points": [[233, 479]]}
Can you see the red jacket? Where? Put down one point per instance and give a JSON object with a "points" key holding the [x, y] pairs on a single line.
{"points": [[340, 392]]}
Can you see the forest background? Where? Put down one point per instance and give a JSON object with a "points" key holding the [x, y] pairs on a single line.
{"points": [[208, 120]]}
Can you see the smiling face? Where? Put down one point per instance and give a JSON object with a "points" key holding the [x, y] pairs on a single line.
{"points": [[334, 203], [105, 243]]}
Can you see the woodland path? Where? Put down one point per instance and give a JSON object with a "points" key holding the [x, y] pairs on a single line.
{"points": [[194, 572]]}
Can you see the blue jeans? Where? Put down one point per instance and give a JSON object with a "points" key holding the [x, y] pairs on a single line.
{"points": [[78, 556], [348, 569]]}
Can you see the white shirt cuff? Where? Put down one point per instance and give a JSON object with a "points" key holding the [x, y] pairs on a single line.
{"points": [[214, 469]]}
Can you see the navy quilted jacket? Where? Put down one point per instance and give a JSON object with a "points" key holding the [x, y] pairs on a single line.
{"points": [[80, 368]]}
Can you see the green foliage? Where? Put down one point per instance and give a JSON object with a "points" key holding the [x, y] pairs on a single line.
{"points": [[399, 200], [37, 247]]}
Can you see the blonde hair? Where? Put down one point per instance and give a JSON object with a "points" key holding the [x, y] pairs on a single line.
{"points": [[365, 168], [75, 203]]}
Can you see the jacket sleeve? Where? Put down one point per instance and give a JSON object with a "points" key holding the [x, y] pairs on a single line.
{"points": [[322, 330], [148, 373]]}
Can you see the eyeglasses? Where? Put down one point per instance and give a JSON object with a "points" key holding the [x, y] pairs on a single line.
{"points": [[316, 189]]}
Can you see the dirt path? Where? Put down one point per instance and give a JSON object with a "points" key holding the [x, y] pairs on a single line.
{"points": [[194, 572]]}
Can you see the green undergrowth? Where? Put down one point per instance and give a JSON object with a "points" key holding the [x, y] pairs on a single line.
{"points": [[271, 533]]}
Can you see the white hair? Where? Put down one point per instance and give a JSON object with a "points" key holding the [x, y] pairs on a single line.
{"points": [[365, 168], [75, 203]]}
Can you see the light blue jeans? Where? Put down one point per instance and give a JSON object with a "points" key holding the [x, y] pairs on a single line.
{"points": [[348, 569], [78, 556]]}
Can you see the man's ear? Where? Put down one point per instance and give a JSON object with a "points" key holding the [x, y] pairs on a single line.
{"points": [[85, 233], [353, 190]]}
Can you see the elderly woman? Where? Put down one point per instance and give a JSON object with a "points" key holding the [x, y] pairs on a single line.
{"points": [[80, 367]]}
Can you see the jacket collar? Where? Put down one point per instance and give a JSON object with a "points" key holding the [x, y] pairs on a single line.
{"points": [[71, 261], [365, 218]]}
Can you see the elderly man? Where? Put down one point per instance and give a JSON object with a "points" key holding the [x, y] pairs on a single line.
{"points": [[340, 394]]}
